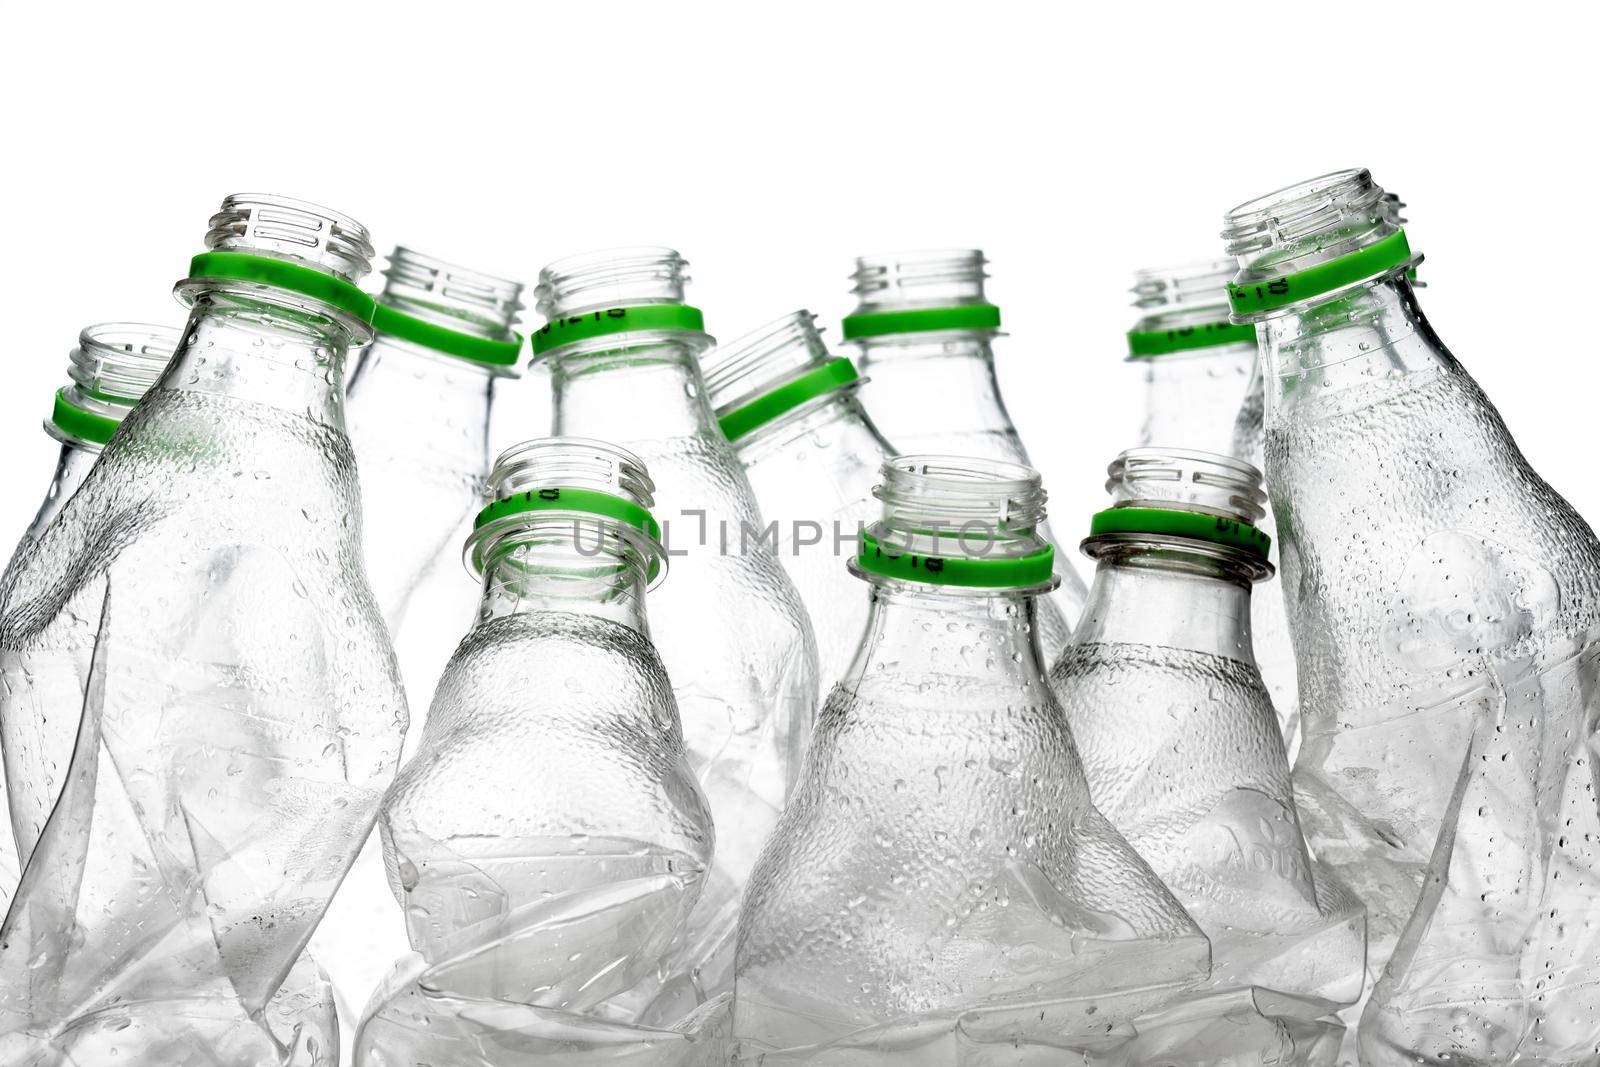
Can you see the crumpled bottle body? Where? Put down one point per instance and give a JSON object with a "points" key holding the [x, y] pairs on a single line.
{"points": [[941, 888], [548, 843], [1443, 603], [242, 718]]}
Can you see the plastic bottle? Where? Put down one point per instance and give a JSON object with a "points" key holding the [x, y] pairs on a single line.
{"points": [[1443, 600], [813, 456], [941, 890], [1200, 382], [113, 365], [621, 348], [1181, 746], [200, 600], [923, 332], [548, 839]]}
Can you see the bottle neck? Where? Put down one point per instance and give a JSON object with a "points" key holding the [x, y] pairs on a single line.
{"points": [[947, 378], [240, 346], [833, 421], [1170, 599], [646, 391], [562, 565], [447, 400], [915, 630], [1191, 398], [1374, 335], [71, 469]]}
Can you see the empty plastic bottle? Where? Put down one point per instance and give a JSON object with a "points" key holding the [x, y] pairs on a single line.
{"points": [[1443, 600], [548, 839], [813, 456], [941, 889], [1199, 376], [419, 403], [113, 365], [1180, 744], [244, 716], [622, 349], [923, 333]]}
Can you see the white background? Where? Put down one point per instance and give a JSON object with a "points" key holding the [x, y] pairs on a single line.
{"points": [[772, 144]]}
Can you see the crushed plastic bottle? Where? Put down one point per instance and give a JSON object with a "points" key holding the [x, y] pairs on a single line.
{"points": [[113, 365], [941, 890], [548, 839], [1443, 600], [621, 348], [418, 403], [193, 663], [1180, 744], [923, 332], [1200, 379], [813, 456]]}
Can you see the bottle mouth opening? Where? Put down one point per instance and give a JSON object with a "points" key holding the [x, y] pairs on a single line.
{"points": [[451, 295], [931, 278], [611, 278], [1182, 479], [947, 494], [118, 362], [282, 227], [572, 461]]}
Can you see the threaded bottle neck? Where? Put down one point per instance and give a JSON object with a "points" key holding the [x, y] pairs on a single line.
{"points": [[113, 366], [611, 278], [934, 278], [451, 296], [285, 228]]}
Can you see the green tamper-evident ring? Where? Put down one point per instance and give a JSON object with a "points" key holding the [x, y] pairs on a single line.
{"points": [[1036, 568], [244, 267], [762, 410], [1142, 343], [558, 332], [1359, 265], [466, 346], [76, 422], [585, 501], [920, 320], [1217, 529]]}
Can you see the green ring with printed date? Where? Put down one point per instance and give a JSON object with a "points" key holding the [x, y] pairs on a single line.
{"points": [[574, 328], [920, 320], [1034, 569], [265, 270], [571, 499], [785, 398], [407, 327], [1375, 259], [1195, 525], [1146, 343], [74, 421]]}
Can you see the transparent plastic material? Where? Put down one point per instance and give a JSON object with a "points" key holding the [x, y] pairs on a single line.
{"points": [[419, 422], [1199, 398], [729, 626], [193, 663], [1182, 753], [1444, 604], [941, 890], [548, 839], [813, 469], [113, 365], [937, 392]]}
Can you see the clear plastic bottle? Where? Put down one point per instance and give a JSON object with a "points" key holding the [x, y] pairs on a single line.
{"points": [[548, 838], [1444, 602], [622, 348], [200, 600], [923, 331], [941, 890], [813, 456], [1180, 744], [113, 365], [418, 406], [1200, 380]]}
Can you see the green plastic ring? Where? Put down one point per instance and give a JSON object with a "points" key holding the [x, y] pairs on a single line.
{"points": [[569, 499], [1359, 265], [921, 320], [763, 409], [406, 327], [558, 332], [1199, 526], [307, 281], [76, 422], [1036, 568], [1142, 343]]}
